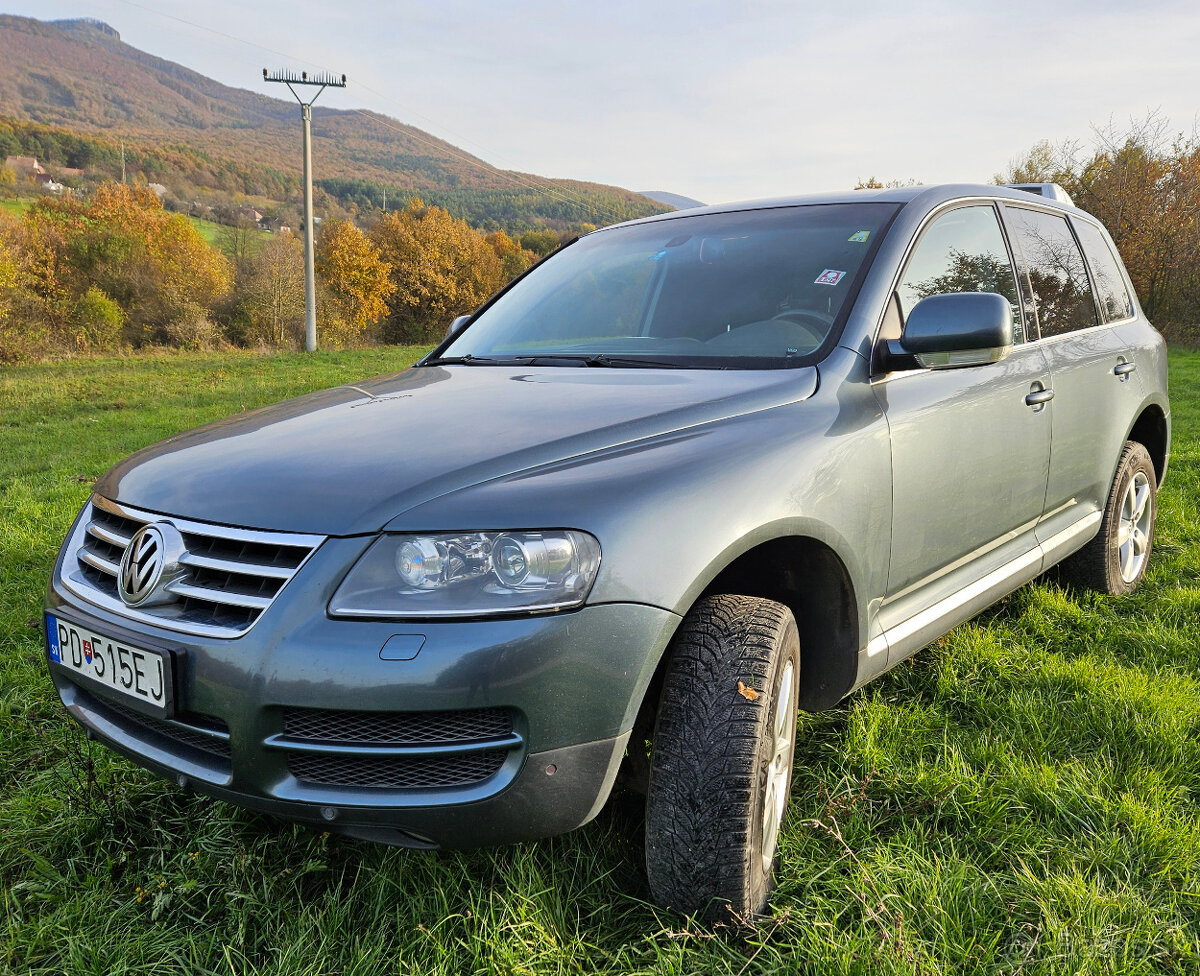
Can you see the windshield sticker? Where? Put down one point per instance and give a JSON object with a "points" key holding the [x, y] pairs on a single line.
{"points": [[859, 237], [829, 277]]}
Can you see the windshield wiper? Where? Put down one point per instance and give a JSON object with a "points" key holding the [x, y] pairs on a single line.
{"points": [[574, 359], [470, 360], [604, 360]]}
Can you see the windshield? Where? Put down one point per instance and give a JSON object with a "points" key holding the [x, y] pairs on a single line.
{"points": [[752, 289]]}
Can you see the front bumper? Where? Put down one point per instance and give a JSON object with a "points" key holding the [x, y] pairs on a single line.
{"points": [[571, 684]]}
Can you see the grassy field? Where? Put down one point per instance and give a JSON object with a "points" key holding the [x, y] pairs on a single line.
{"points": [[16, 206], [220, 236], [1020, 798]]}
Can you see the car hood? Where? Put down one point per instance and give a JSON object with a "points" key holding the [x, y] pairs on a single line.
{"points": [[349, 459]]}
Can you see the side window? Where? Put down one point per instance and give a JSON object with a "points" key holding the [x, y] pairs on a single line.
{"points": [[1115, 302], [1061, 290], [962, 250]]}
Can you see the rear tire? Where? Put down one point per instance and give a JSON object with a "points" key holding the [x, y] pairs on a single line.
{"points": [[721, 758], [1115, 561]]}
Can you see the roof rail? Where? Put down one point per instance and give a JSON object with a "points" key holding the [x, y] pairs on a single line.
{"points": [[1051, 191]]}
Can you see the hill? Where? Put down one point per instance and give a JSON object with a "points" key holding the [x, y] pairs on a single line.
{"points": [[80, 76], [676, 200]]}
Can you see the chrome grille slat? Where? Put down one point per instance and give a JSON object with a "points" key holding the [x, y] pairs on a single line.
{"points": [[106, 534], [236, 566], [234, 574], [228, 597], [96, 561]]}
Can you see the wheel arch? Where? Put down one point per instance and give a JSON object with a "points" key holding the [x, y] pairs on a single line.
{"points": [[807, 575], [1152, 431]]}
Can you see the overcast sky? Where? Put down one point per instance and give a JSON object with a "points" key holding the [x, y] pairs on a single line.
{"points": [[717, 101]]}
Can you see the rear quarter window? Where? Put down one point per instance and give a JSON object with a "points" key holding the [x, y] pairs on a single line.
{"points": [[1111, 292], [1057, 273]]}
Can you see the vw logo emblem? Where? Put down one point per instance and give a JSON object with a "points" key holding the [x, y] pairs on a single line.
{"points": [[150, 564]]}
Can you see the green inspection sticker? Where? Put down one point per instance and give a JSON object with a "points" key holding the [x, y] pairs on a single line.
{"points": [[859, 237]]}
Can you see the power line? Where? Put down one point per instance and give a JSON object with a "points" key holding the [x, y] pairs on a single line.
{"points": [[537, 184], [463, 157], [560, 193]]}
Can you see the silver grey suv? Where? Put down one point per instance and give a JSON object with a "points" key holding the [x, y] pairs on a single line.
{"points": [[684, 477]]}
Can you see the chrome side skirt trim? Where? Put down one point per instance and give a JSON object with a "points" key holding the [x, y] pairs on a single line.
{"points": [[904, 639], [951, 605], [1071, 538]]}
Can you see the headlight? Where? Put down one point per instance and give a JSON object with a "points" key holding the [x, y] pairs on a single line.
{"points": [[468, 574]]}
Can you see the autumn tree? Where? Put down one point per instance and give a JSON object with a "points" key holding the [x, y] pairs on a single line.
{"points": [[441, 268], [10, 330], [1044, 162], [356, 282], [154, 265], [271, 294], [871, 183], [1145, 187], [239, 240], [540, 242], [514, 259]]}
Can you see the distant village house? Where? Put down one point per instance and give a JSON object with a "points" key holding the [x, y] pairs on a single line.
{"points": [[47, 182], [26, 167]]}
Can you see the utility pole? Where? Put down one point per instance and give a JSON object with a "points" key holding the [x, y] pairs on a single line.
{"points": [[321, 80]]}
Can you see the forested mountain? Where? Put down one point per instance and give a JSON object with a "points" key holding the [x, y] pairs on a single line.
{"points": [[673, 200], [178, 125]]}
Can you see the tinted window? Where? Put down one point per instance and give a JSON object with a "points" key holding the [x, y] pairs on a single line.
{"points": [[1110, 285], [1061, 290], [962, 250], [749, 289]]}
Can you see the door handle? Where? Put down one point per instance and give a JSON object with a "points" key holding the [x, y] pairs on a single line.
{"points": [[1039, 398], [1124, 369]]}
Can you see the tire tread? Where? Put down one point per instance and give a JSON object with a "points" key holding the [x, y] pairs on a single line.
{"points": [[706, 762]]}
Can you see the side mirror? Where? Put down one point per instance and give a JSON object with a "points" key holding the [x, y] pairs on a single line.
{"points": [[457, 324], [946, 331]]}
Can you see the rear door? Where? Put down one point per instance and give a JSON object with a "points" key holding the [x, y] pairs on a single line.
{"points": [[970, 455], [1086, 322]]}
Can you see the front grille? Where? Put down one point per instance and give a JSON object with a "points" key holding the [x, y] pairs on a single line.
{"points": [[233, 575], [201, 733], [397, 728], [397, 772]]}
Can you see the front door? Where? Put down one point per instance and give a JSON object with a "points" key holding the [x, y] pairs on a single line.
{"points": [[970, 446]]}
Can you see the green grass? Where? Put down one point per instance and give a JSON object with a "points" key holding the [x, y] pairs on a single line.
{"points": [[16, 206], [220, 235], [1021, 797], [210, 230]]}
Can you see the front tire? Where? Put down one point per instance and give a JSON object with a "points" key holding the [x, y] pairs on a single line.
{"points": [[721, 758], [1115, 561]]}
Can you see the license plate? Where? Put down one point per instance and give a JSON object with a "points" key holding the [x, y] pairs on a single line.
{"points": [[135, 675]]}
